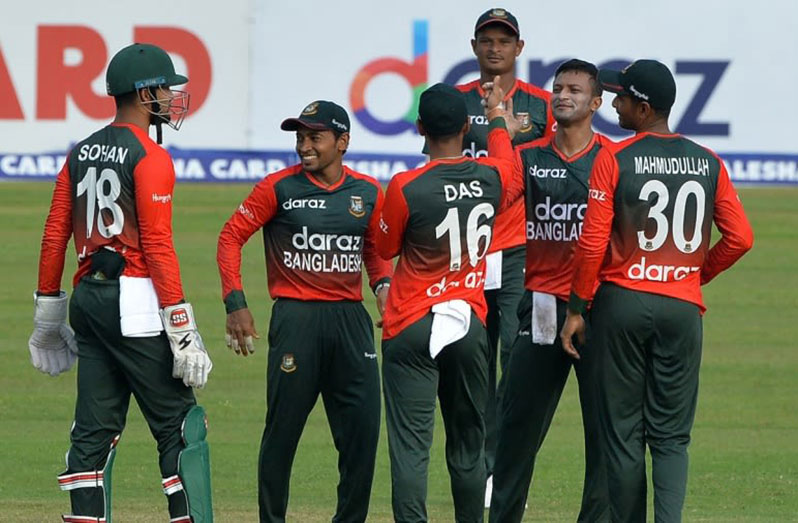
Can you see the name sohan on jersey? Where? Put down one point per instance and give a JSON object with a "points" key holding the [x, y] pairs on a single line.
{"points": [[103, 152]]}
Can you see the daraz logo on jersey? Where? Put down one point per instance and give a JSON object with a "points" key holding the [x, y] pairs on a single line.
{"points": [[305, 240], [657, 272], [560, 222]]}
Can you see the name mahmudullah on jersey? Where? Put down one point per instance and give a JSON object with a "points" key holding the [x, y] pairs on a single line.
{"points": [[671, 165]]}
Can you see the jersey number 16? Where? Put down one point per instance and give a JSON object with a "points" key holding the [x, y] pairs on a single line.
{"points": [[474, 234]]}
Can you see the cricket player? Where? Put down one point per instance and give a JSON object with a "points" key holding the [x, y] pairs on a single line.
{"points": [[646, 239], [556, 170], [319, 221], [114, 197], [439, 220], [497, 44]]}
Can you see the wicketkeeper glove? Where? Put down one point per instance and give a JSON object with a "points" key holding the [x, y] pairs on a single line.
{"points": [[191, 361], [52, 345]]}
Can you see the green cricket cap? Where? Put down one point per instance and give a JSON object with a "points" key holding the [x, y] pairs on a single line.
{"points": [[442, 110], [320, 115], [646, 80], [140, 65]]}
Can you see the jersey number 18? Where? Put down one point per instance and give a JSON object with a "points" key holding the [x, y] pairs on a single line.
{"points": [[104, 198]]}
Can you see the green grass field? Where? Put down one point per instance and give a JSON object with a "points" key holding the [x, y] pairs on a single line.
{"points": [[744, 456]]}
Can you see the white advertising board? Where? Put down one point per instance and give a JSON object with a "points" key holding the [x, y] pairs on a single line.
{"points": [[253, 63]]}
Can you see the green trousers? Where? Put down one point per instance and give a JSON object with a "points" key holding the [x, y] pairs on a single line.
{"points": [[458, 377], [326, 348], [532, 384], [111, 368], [502, 326], [649, 354]]}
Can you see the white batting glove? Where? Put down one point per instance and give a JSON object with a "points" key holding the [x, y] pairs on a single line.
{"points": [[191, 361], [52, 345]]}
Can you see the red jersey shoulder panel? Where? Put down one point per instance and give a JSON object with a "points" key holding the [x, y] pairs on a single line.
{"points": [[539, 142], [362, 176], [470, 86]]}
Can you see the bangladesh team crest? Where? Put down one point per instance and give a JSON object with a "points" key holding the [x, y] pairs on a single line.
{"points": [[289, 363], [311, 109], [356, 206], [498, 13], [526, 122]]}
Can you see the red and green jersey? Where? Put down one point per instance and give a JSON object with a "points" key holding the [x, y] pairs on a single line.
{"points": [[439, 220], [115, 191], [651, 205], [316, 237], [531, 107], [556, 189]]}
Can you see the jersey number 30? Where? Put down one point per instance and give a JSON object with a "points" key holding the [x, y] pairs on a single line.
{"points": [[102, 194], [653, 243], [474, 234]]}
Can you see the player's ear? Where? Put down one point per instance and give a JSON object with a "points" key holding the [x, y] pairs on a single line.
{"points": [[343, 142], [519, 46], [420, 128], [595, 103], [644, 110], [144, 94], [474, 46], [466, 127]]}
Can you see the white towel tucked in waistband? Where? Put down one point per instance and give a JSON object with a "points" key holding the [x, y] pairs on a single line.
{"points": [[544, 318], [493, 271], [450, 322], [138, 308]]}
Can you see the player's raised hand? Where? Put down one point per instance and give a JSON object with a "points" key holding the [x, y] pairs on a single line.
{"points": [[574, 324], [240, 332], [494, 95]]}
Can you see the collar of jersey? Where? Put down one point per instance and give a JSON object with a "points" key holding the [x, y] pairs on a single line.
{"points": [[578, 155], [332, 187], [660, 135], [449, 160]]}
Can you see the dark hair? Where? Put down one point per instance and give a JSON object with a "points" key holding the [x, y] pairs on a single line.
{"points": [[126, 99], [577, 65], [661, 112]]}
